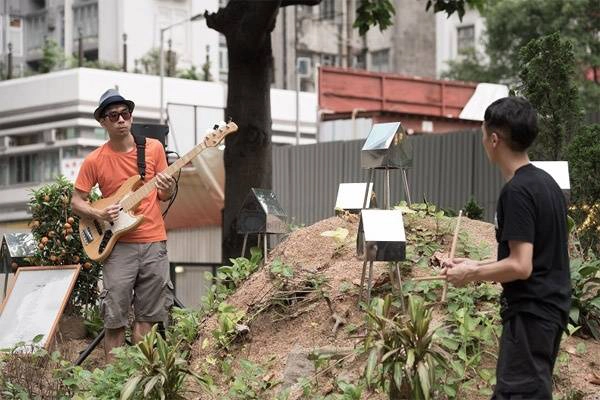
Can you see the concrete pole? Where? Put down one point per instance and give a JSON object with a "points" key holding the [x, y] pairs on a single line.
{"points": [[68, 28], [297, 75], [162, 74]]}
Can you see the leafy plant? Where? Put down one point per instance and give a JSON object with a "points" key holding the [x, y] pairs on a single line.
{"points": [[551, 88], [23, 372], [230, 277], [585, 297], [583, 154], [468, 247], [473, 210], [402, 352], [339, 235], [52, 57], [228, 318], [161, 371], [53, 226], [473, 327], [184, 328], [250, 382], [93, 321], [281, 270], [240, 269]]}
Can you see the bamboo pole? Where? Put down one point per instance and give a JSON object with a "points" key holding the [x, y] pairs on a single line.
{"points": [[452, 250], [431, 278]]}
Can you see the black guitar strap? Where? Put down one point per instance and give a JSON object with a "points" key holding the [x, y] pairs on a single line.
{"points": [[140, 144]]}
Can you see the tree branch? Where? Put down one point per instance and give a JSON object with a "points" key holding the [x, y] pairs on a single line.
{"points": [[216, 21]]}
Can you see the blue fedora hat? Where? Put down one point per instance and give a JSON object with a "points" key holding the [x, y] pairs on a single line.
{"points": [[111, 96]]}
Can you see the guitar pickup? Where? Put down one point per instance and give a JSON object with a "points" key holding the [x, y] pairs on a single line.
{"points": [[98, 227], [105, 240], [87, 235]]}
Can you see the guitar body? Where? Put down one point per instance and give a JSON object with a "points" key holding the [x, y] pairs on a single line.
{"points": [[98, 237]]}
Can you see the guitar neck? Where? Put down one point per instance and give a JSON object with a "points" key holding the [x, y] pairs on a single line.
{"points": [[136, 197]]}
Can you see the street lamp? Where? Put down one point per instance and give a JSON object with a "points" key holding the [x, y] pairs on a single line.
{"points": [[162, 57]]}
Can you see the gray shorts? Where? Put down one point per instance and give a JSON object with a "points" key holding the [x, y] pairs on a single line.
{"points": [[136, 274]]}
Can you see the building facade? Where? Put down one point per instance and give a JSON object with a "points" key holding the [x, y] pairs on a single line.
{"points": [[120, 34], [454, 36], [419, 43]]}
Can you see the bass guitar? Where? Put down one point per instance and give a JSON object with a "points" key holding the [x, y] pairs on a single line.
{"points": [[99, 237]]}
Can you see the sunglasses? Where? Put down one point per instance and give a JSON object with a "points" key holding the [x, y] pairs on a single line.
{"points": [[113, 116]]}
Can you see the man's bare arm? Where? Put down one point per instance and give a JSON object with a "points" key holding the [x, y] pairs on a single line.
{"points": [[81, 207]]}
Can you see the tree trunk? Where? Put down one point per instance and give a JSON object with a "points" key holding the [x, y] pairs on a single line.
{"points": [[247, 26]]}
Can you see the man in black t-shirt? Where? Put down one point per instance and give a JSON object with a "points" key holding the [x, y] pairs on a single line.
{"points": [[533, 261]]}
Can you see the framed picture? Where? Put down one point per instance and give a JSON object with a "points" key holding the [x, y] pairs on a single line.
{"points": [[35, 303]]}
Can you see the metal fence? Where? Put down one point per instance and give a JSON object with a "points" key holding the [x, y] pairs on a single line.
{"points": [[447, 170]]}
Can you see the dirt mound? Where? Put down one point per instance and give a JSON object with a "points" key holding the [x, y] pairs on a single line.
{"points": [[299, 314]]}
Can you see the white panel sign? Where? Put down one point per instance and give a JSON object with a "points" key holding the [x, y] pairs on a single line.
{"points": [[383, 226], [35, 304], [559, 170], [351, 196]]}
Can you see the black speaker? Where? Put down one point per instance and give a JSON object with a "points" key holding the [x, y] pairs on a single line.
{"points": [[154, 131]]}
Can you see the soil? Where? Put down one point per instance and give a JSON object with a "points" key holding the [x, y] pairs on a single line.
{"points": [[276, 332]]}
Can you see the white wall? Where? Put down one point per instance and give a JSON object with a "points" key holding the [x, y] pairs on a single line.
{"points": [[446, 36]]}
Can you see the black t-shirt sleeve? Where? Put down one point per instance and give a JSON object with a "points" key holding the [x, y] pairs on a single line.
{"points": [[519, 216]]}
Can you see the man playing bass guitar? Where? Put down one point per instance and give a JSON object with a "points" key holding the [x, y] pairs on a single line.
{"points": [[137, 269]]}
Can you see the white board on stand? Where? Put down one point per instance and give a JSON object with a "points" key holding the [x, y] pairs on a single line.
{"points": [[559, 170], [35, 304]]}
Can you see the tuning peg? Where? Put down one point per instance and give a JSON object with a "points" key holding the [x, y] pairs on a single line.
{"points": [[216, 127]]}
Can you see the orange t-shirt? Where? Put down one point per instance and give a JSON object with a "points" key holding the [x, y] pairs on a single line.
{"points": [[109, 169]]}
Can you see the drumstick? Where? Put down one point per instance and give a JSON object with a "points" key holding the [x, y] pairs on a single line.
{"points": [[452, 250], [430, 278]]}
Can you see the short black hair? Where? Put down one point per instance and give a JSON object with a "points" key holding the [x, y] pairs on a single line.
{"points": [[515, 119]]}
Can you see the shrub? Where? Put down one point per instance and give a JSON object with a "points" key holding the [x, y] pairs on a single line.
{"points": [[401, 349], [55, 228], [583, 154], [473, 210]]}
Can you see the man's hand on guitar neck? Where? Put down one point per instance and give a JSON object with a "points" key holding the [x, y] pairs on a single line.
{"points": [[165, 185]]}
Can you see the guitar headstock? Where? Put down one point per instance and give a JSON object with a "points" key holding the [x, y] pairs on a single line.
{"points": [[218, 134]]}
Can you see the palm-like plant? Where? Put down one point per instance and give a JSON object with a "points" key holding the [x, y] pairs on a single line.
{"points": [[401, 349], [162, 371]]}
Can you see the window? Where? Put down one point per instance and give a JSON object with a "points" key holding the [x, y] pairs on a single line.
{"points": [[329, 59], [359, 61], [465, 37], [327, 9], [380, 60], [32, 168], [15, 35]]}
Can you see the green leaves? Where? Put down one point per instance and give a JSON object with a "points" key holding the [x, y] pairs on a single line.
{"points": [[548, 81], [374, 12], [53, 226], [401, 348], [228, 317], [585, 295], [280, 270], [161, 371]]}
